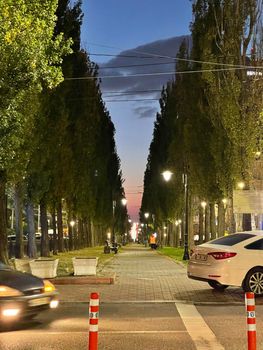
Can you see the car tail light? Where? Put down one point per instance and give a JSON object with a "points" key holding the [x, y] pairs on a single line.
{"points": [[222, 255]]}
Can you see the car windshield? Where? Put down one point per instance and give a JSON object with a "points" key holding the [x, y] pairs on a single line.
{"points": [[4, 266], [232, 239]]}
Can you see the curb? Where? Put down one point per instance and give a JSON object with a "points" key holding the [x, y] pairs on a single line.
{"points": [[84, 280]]}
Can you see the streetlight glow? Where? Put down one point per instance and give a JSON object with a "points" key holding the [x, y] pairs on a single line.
{"points": [[203, 204], [146, 215], [241, 185], [167, 174], [124, 201], [72, 223]]}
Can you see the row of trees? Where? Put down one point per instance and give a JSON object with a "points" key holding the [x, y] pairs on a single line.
{"points": [[210, 123], [57, 146]]}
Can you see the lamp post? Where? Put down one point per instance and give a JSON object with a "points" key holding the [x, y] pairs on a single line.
{"points": [[167, 175], [186, 214], [72, 238], [146, 215], [124, 203], [113, 224]]}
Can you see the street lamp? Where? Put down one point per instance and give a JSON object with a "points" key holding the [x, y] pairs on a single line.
{"points": [[167, 176], [124, 201], [146, 215], [113, 225], [241, 185], [186, 224]]}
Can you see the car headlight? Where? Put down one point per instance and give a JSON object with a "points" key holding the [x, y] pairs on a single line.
{"points": [[48, 286], [9, 292]]}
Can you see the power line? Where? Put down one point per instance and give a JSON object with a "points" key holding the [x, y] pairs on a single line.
{"points": [[116, 55], [176, 58], [160, 73], [138, 65], [129, 93], [132, 91], [136, 100]]}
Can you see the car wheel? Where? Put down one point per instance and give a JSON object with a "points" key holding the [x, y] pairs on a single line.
{"points": [[254, 281], [217, 286], [29, 317]]}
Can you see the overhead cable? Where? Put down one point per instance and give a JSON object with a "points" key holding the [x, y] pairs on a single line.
{"points": [[160, 73], [175, 58]]}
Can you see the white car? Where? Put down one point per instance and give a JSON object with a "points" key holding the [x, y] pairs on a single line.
{"points": [[233, 260]]}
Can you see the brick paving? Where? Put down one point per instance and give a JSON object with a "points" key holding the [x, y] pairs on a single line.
{"points": [[145, 275]]}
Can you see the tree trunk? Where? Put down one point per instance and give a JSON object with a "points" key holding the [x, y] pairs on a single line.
{"points": [[60, 228], [31, 245], [88, 225], [191, 241], [54, 236], [19, 246], [232, 223], [3, 221], [92, 229], [80, 233], [212, 221], [221, 219], [201, 225], [177, 239], [85, 232], [44, 249], [207, 223]]}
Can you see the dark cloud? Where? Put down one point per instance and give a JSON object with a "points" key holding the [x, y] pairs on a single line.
{"points": [[140, 60], [145, 112], [151, 64]]}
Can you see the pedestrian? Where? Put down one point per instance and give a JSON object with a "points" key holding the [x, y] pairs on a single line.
{"points": [[153, 241]]}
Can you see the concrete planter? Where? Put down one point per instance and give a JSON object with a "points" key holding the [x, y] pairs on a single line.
{"points": [[22, 265], [44, 268], [85, 266]]}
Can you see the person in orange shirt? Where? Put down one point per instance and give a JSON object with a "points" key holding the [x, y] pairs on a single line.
{"points": [[153, 241]]}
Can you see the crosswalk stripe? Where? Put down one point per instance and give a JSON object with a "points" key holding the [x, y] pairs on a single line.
{"points": [[201, 334]]}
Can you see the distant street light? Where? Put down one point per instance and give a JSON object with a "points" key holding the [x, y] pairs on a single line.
{"points": [[224, 200], [167, 175], [113, 225], [241, 185], [124, 201], [146, 215], [72, 223], [203, 204]]}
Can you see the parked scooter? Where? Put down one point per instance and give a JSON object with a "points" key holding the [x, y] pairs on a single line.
{"points": [[108, 247]]}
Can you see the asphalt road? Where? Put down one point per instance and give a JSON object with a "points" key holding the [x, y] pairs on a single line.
{"points": [[130, 326], [151, 306]]}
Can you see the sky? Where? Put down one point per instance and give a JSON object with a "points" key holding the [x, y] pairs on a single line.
{"points": [[127, 37]]}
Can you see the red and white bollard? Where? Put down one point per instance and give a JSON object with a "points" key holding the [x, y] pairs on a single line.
{"points": [[251, 321], [93, 321]]}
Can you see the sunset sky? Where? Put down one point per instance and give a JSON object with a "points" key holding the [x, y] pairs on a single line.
{"points": [[124, 38]]}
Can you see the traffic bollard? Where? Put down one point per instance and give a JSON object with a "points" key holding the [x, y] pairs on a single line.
{"points": [[93, 321], [251, 321]]}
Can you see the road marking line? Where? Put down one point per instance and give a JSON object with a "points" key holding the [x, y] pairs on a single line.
{"points": [[158, 301], [201, 334], [107, 332]]}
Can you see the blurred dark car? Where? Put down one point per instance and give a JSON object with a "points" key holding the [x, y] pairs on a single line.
{"points": [[23, 296]]}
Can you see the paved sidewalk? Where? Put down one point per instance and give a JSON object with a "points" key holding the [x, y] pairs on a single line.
{"points": [[145, 275]]}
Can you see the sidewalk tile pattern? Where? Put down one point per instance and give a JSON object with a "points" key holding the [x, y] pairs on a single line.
{"points": [[145, 275]]}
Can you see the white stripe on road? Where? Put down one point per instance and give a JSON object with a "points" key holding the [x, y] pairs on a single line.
{"points": [[201, 334], [105, 332]]}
